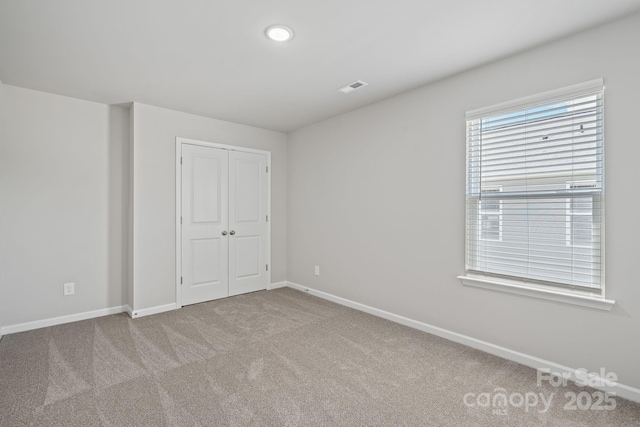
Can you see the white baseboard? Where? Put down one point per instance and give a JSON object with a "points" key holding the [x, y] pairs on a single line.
{"points": [[152, 310], [277, 285], [37, 324], [621, 390]]}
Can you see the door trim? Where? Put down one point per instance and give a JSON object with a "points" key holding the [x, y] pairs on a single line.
{"points": [[178, 246]]}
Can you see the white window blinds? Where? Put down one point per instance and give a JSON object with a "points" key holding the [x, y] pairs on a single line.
{"points": [[535, 188]]}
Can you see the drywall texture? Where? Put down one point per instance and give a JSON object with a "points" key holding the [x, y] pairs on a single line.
{"points": [[63, 177], [376, 197], [154, 199]]}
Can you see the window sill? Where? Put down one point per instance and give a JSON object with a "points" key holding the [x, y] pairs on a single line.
{"points": [[575, 298]]}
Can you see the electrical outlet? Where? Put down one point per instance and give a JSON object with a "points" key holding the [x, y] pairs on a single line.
{"points": [[69, 289], [317, 270]]}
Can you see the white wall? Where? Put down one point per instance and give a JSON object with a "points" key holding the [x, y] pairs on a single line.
{"points": [[376, 197], [1, 209], [63, 169], [129, 213], [154, 210]]}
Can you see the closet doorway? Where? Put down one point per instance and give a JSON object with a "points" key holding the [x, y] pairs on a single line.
{"points": [[223, 233]]}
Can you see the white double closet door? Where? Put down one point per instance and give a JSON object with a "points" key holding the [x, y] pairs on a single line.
{"points": [[225, 236]]}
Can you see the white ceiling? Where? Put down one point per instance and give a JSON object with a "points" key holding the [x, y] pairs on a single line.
{"points": [[210, 57]]}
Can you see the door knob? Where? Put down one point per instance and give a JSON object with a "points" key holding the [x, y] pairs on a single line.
{"points": [[232, 232], [224, 233]]}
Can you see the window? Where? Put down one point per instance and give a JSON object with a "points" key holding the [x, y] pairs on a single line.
{"points": [[535, 188]]}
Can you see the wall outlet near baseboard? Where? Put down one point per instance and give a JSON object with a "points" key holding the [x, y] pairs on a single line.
{"points": [[69, 289], [316, 271]]}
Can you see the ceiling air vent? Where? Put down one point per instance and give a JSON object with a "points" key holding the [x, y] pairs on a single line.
{"points": [[352, 86]]}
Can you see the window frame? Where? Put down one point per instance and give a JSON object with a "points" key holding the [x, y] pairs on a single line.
{"points": [[594, 298]]}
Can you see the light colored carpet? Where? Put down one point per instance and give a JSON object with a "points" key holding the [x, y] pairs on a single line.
{"points": [[271, 358]]}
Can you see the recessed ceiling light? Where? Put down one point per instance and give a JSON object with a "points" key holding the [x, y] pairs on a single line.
{"points": [[279, 33]]}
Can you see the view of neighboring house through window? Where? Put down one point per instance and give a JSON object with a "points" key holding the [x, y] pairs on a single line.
{"points": [[580, 217], [535, 189], [490, 221]]}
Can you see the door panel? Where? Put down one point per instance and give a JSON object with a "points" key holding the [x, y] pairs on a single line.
{"points": [[205, 263], [248, 246], [247, 257], [247, 192], [205, 192], [205, 255]]}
